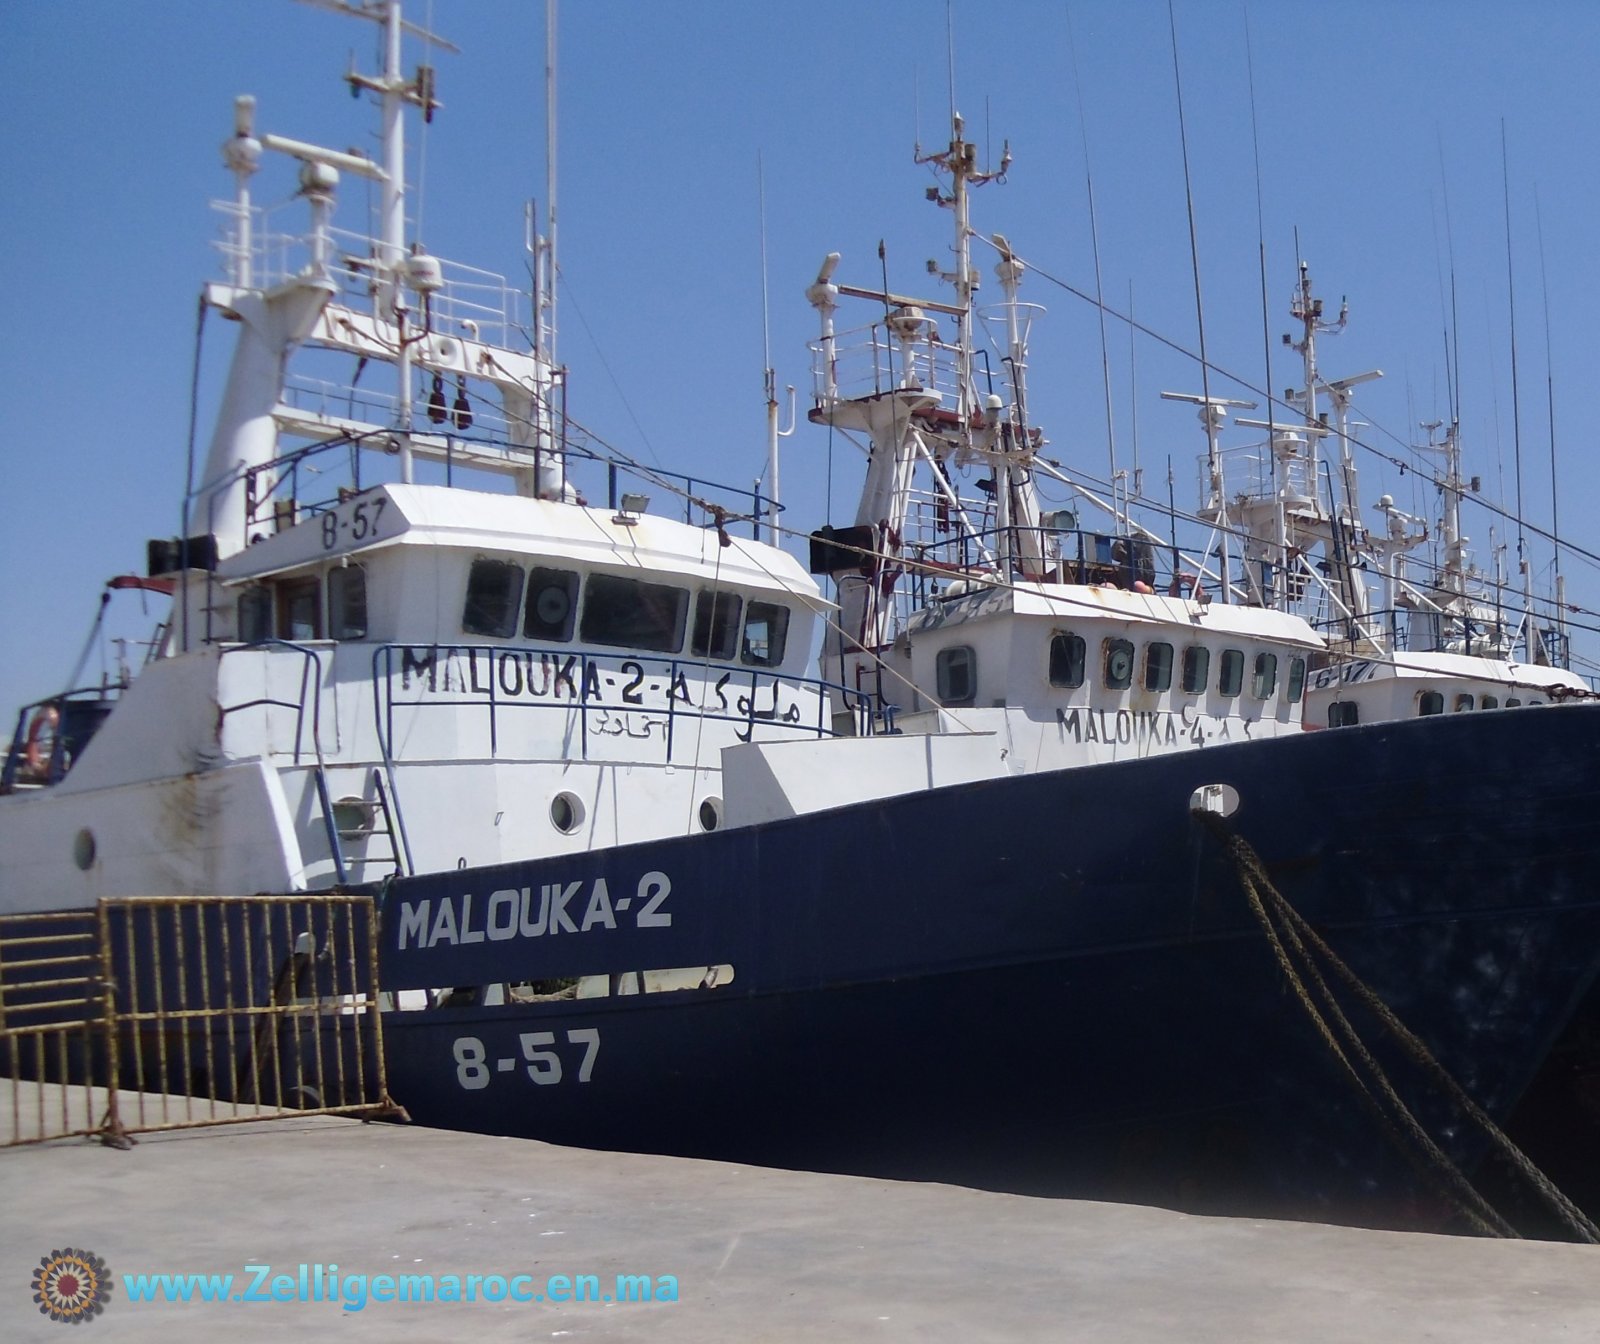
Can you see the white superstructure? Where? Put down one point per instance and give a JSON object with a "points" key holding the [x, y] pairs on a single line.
{"points": [[406, 637], [401, 639]]}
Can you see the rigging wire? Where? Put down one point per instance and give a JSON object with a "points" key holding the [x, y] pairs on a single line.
{"points": [[1194, 257], [1550, 382], [1261, 228], [188, 477], [1516, 403], [1239, 380], [1094, 239]]}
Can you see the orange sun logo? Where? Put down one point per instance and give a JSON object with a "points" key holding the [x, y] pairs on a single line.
{"points": [[71, 1286]]}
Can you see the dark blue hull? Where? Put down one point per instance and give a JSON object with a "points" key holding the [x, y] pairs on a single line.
{"points": [[1051, 983]]}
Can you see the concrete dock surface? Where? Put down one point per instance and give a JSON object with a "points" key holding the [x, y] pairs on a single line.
{"points": [[755, 1254]]}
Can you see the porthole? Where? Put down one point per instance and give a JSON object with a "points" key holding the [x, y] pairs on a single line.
{"points": [[710, 814], [566, 812], [1118, 664], [83, 849]]}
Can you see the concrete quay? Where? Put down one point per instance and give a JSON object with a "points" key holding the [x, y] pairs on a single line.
{"points": [[757, 1254]]}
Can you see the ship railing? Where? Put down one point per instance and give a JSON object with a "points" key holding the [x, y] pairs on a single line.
{"points": [[612, 695], [1406, 629], [307, 703], [1065, 556], [497, 310], [868, 361], [335, 400], [275, 491], [50, 734], [1255, 471]]}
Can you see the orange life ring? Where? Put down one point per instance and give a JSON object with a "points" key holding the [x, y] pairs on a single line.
{"points": [[40, 746]]}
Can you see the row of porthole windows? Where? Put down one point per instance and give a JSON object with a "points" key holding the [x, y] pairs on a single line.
{"points": [[567, 813], [1432, 702], [1120, 660], [620, 612], [1345, 714], [957, 669]]}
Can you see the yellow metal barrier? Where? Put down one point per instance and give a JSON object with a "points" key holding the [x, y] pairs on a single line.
{"points": [[188, 1011], [52, 1014]]}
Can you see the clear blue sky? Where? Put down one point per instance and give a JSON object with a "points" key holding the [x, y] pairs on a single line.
{"points": [[1368, 114]]}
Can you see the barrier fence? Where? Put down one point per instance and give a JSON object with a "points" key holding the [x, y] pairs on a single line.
{"points": [[156, 1013]]}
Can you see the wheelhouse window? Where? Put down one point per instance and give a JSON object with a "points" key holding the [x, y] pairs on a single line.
{"points": [[255, 614], [766, 634], [1067, 656], [1158, 666], [1118, 664], [494, 593], [1230, 678], [1488, 702], [957, 673], [1264, 676], [1430, 702], [347, 602], [1463, 703], [1343, 714], [1196, 669], [552, 604], [1295, 686], [716, 625], [633, 615], [300, 609]]}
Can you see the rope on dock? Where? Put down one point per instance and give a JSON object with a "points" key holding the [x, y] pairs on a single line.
{"points": [[1293, 942]]}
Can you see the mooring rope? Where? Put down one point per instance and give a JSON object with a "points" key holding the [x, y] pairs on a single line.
{"points": [[1292, 938]]}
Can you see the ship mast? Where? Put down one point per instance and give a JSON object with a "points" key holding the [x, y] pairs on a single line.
{"points": [[923, 410]]}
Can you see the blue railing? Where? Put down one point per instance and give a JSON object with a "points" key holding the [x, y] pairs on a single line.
{"points": [[311, 664]]}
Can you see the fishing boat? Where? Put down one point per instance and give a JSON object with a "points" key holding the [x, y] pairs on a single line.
{"points": [[1408, 635], [966, 901]]}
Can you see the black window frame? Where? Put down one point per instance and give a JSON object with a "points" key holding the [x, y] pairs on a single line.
{"points": [[1114, 645], [957, 660], [1230, 673], [478, 606], [1264, 675], [1158, 675], [714, 633], [543, 580], [340, 604], [255, 614], [1343, 714], [776, 617], [1069, 660], [1294, 685], [622, 612]]}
